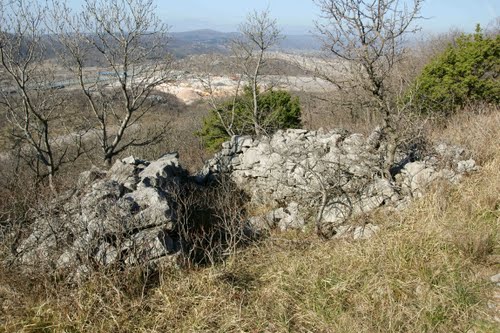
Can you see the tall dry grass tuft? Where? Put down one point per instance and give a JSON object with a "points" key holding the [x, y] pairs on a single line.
{"points": [[476, 128]]}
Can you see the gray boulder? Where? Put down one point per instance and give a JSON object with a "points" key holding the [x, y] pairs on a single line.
{"points": [[122, 216]]}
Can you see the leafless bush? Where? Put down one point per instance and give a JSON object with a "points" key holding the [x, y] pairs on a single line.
{"points": [[211, 221], [183, 122], [329, 186], [259, 33], [21, 198], [366, 39]]}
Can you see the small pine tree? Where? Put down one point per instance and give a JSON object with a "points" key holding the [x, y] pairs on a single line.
{"points": [[467, 72], [278, 109]]}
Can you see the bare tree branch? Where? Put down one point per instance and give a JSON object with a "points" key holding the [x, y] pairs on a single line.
{"points": [[368, 37], [129, 41], [35, 108], [259, 33]]}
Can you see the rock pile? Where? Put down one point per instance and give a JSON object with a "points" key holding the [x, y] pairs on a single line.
{"points": [[329, 176], [121, 216], [127, 215]]}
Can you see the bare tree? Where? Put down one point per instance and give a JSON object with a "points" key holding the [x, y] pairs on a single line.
{"points": [[259, 33], [368, 37], [126, 40], [206, 68], [29, 93]]}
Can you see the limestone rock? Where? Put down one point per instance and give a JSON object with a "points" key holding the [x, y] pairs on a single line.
{"points": [[496, 279], [285, 218], [127, 215], [297, 166], [122, 216], [466, 166], [416, 176], [365, 232], [158, 172]]}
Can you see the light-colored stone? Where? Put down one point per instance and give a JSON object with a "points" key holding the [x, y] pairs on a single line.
{"points": [[496, 279], [417, 176], [252, 156], [159, 172], [124, 173], [365, 232], [127, 215], [294, 166], [106, 220], [343, 231], [466, 166]]}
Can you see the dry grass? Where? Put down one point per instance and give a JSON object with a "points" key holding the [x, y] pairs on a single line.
{"points": [[476, 128], [320, 110], [426, 271]]}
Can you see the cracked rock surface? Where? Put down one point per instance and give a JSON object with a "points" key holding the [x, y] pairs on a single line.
{"points": [[300, 172], [123, 216]]}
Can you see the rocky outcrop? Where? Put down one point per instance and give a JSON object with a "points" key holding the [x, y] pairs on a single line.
{"points": [[329, 177], [124, 215], [295, 178]]}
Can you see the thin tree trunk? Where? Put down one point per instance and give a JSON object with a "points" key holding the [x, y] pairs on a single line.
{"points": [[107, 161], [319, 217], [254, 92]]}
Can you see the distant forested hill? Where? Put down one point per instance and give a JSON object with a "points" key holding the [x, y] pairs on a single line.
{"points": [[209, 41]]}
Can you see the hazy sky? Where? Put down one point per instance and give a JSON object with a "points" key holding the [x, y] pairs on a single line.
{"points": [[297, 16]]}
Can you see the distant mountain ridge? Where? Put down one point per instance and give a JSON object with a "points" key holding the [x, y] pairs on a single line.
{"points": [[194, 42], [208, 41], [203, 34]]}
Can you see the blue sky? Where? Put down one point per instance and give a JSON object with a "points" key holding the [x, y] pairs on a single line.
{"points": [[297, 16]]}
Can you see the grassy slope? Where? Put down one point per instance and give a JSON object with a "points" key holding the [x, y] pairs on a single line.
{"points": [[426, 271]]}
